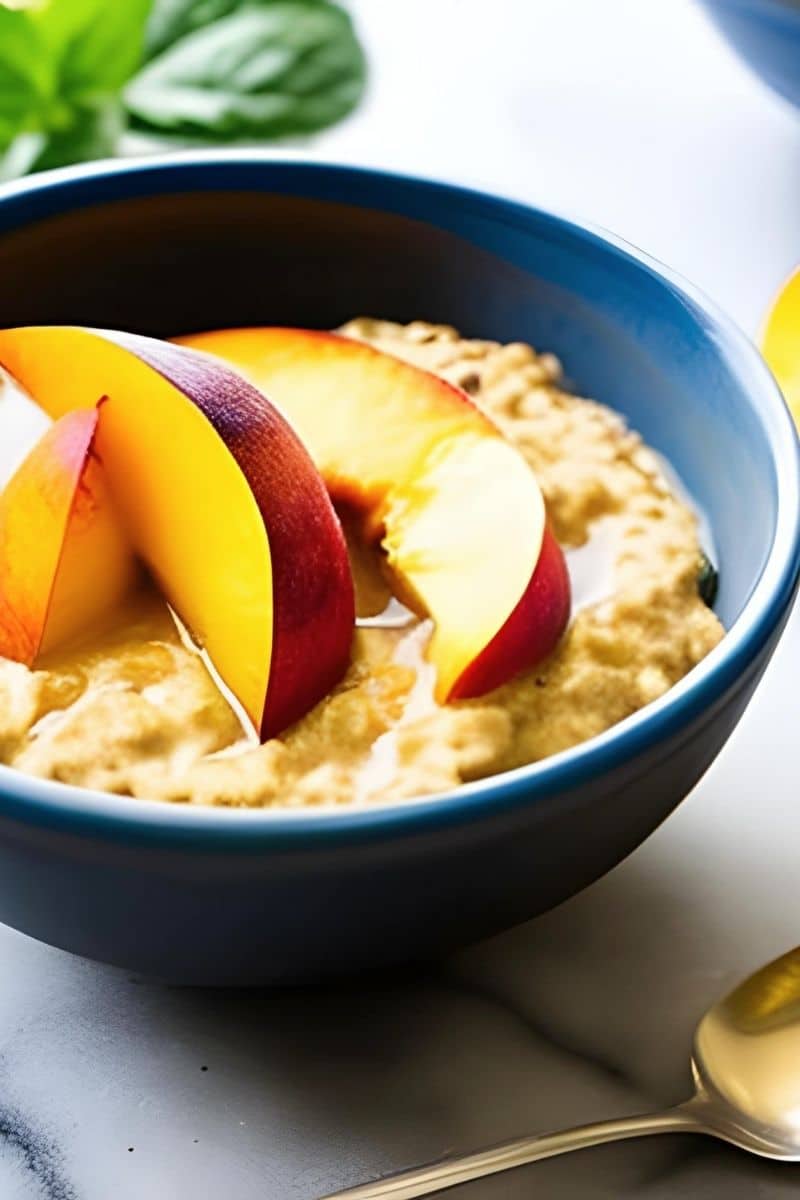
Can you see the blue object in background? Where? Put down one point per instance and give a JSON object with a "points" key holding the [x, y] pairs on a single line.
{"points": [[766, 34], [232, 897]]}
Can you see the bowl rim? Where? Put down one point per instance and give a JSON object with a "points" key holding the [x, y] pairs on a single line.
{"points": [[68, 808]]}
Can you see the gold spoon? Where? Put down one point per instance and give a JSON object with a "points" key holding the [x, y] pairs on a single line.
{"points": [[746, 1067]]}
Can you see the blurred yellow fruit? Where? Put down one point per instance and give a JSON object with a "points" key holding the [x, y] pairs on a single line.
{"points": [[781, 342]]}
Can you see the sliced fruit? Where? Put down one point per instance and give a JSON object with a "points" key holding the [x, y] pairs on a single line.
{"points": [[65, 560], [781, 342], [221, 501], [458, 510]]}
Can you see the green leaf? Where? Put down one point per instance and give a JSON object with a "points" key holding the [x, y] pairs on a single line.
{"points": [[20, 155], [96, 44], [264, 71], [62, 65], [171, 20], [92, 131], [25, 74]]}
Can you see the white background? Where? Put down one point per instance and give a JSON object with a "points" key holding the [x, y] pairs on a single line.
{"points": [[630, 113]]}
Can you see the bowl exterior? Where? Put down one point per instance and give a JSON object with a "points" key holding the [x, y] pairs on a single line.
{"points": [[303, 914], [227, 898], [766, 35]]}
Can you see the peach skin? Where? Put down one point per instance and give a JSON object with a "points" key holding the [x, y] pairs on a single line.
{"points": [[65, 560], [457, 509], [222, 502]]}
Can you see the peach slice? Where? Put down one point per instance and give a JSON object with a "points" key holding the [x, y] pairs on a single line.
{"points": [[780, 342], [65, 560], [221, 501], [458, 510]]}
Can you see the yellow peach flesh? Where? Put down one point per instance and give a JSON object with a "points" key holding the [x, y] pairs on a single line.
{"points": [[459, 512], [97, 567], [189, 533], [64, 558], [469, 573]]}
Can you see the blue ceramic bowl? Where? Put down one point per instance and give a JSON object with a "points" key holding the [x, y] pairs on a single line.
{"points": [[766, 34], [231, 897]]}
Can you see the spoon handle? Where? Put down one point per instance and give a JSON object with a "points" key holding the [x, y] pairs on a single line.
{"points": [[447, 1172]]}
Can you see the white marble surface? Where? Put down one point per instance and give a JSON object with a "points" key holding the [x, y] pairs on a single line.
{"points": [[633, 114]]}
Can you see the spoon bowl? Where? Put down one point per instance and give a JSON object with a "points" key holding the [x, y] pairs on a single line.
{"points": [[746, 1062], [746, 1067]]}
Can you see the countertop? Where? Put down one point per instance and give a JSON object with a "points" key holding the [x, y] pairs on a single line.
{"points": [[113, 1088]]}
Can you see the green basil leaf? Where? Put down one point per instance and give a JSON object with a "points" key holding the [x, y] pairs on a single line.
{"points": [[62, 66], [171, 20], [96, 44], [25, 75], [92, 132], [264, 71], [21, 154]]}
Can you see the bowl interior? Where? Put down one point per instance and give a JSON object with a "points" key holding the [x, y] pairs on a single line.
{"points": [[193, 247]]}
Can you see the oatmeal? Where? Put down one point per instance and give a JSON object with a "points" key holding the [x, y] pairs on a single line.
{"points": [[137, 712]]}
